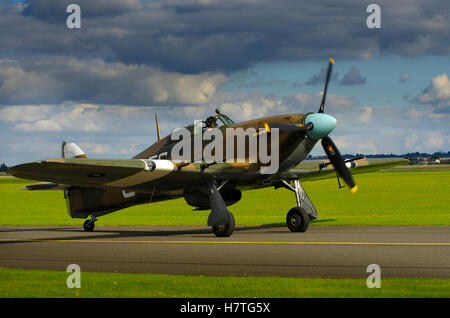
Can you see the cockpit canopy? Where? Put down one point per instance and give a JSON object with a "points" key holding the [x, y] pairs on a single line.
{"points": [[227, 121], [220, 120]]}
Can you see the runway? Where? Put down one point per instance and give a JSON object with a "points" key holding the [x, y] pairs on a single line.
{"points": [[251, 251]]}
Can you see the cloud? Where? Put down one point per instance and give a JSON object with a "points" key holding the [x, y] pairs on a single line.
{"points": [[80, 117], [40, 125], [122, 131], [353, 77], [45, 80], [411, 142], [319, 78], [55, 11], [437, 94], [224, 36], [435, 141], [366, 116], [94, 148], [25, 113]]}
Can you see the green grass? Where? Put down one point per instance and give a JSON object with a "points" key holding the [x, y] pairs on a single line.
{"points": [[384, 198], [34, 283]]}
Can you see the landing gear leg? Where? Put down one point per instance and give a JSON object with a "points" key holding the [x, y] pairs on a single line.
{"points": [[220, 219], [297, 220], [89, 224]]}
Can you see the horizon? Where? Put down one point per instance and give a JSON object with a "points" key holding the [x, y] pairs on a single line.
{"points": [[309, 157]]}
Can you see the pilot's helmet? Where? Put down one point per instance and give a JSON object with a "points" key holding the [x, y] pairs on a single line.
{"points": [[210, 121]]}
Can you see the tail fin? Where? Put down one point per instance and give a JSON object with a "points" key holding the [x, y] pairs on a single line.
{"points": [[71, 150]]}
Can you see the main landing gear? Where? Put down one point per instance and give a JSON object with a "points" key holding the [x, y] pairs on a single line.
{"points": [[297, 219], [226, 229], [220, 219], [89, 225]]}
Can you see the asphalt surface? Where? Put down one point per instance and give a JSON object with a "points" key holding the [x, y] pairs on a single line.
{"points": [[253, 251]]}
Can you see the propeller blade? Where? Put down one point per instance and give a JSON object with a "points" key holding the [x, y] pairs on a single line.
{"points": [[338, 162], [322, 104]]}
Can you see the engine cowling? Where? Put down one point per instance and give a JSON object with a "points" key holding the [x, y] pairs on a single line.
{"points": [[199, 198]]}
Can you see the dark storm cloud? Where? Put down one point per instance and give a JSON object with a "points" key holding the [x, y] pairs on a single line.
{"points": [[151, 43], [52, 11], [197, 36], [353, 77]]}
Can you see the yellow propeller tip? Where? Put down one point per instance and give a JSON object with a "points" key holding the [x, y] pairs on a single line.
{"points": [[331, 61], [354, 189], [267, 127]]}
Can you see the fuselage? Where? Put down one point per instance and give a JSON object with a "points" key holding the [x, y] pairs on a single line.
{"points": [[293, 145]]}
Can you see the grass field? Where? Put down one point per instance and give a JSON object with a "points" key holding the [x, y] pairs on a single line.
{"points": [[384, 198], [33, 283]]}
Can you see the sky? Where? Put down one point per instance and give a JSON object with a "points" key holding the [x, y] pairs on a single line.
{"points": [[100, 86]]}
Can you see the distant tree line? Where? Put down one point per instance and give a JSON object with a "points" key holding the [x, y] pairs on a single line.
{"points": [[3, 167], [409, 155]]}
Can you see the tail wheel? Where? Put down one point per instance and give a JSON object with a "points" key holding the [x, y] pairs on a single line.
{"points": [[297, 220], [226, 229]]}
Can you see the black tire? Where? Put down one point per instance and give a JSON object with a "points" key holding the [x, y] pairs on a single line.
{"points": [[225, 230], [297, 220], [88, 225]]}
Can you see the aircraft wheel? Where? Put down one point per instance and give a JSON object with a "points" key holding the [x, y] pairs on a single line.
{"points": [[226, 229], [88, 225], [297, 220]]}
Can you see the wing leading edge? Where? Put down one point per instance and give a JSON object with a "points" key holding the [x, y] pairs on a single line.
{"points": [[94, 172], [310, 171]]}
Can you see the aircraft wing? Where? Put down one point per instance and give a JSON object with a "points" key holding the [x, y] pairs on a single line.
{"points": [[309, 170], [133, 173], [85, 172]]}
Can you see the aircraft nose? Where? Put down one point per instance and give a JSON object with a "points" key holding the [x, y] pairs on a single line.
{"points": [[323, 125]]}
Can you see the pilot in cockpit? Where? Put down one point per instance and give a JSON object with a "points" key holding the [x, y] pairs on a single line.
{"points": [[211, 122]]}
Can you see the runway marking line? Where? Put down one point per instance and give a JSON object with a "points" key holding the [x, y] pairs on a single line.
{"points": [[232, 242]]}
